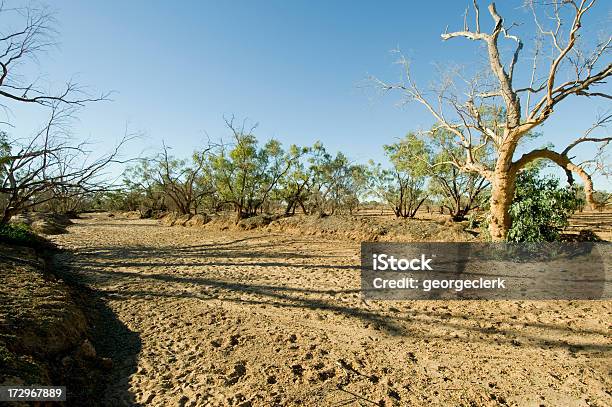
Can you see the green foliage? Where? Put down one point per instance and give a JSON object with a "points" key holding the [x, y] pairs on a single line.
{"points": [[118, 200], [409, 156], [19, 234], [338, 184], [253, 178], [144, 189], [604, 198], [5, 148], [473, 221], [402, 187], [166, 182], [295, 187], [541, 208], [246, 175]]}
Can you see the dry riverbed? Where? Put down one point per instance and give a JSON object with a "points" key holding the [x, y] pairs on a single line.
{"points": [[254, 319]]}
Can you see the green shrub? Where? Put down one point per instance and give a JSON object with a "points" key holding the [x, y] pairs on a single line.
{"points": [[541, 208], [18, 233]]}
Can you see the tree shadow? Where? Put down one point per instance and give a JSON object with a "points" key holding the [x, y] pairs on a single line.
{"points": [[273, 295], [219, 272], [111, 339], [204, 286]]}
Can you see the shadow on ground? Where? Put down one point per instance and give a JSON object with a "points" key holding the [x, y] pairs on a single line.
{"points": [[213, 274], [111, 339]]}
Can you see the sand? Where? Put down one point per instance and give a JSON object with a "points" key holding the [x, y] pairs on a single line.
{"points": [[259, 319]]}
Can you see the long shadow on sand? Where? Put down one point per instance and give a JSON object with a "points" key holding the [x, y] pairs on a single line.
{"points": [[205, 284], [111, 339]]}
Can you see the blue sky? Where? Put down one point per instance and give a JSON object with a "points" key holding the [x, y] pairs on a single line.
{"points": [[296, 67]]}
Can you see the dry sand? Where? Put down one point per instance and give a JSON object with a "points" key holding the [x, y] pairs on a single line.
{"points": [[252, 318]]}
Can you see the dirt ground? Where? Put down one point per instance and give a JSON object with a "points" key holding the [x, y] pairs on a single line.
{"points": [[260, 319], [598, 222], [33, 326]]}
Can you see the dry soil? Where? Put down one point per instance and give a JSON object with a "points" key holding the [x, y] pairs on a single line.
{"points": [[255, 318]]}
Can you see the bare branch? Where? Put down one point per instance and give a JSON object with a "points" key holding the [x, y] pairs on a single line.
{"points": [[564, 162], [35, 36]]}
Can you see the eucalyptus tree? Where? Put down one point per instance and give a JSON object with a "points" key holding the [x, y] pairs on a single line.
{"points": [[566, 62], [294, 188], [337, 183]]}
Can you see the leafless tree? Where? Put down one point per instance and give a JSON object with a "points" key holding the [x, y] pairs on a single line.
{"points": [[25, 40], [50, 165], [569, 70], [182, 183]]}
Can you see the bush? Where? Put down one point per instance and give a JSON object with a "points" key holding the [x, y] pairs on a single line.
{"points": [[541, 208], [20, 234]]}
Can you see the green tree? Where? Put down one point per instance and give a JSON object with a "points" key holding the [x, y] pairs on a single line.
{"points": [[567, 61], [337, 184], [165, 181], [246, 175], [294, 188], [143, 190], [402, 186]]}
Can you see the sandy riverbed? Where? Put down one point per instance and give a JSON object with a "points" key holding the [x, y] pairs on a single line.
{"points": [[248, 318]]}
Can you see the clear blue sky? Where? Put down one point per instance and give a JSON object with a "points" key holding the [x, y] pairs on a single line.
{"points": [[296, 67]]}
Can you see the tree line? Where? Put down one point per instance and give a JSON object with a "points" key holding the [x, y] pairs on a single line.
{"points": [[250, 178], [467, 160]]}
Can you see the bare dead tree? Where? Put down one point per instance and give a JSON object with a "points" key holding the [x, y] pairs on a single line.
{"points": [[458, 105], [32, 34], [34, 172], [461, 191], [181, 182], [49, 167]]}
